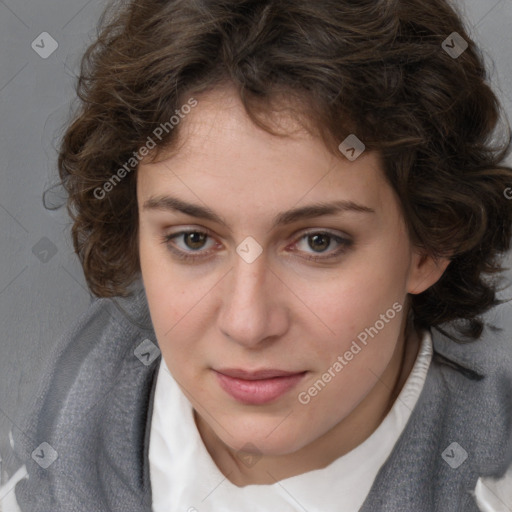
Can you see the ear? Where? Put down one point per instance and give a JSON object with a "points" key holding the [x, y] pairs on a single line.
{"points": [[425, 271]]}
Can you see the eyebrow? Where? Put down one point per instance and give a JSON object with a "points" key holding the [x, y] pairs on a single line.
{"points": [[168, 203]]}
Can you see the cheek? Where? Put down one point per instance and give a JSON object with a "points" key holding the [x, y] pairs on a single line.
{"points": [[364, 303], [346, 364], [161, 290], [175, 305], [149, 255], [354, 300], [162, 282]]}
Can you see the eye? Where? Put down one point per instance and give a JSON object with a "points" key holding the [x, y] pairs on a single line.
{"points": [[320, 240], [195, 240]]}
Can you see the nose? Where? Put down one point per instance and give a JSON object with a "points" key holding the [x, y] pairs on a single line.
{"points": [[252, 312]]}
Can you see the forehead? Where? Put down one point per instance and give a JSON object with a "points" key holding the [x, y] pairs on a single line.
{"points": [[220, 124], [223, 156]]}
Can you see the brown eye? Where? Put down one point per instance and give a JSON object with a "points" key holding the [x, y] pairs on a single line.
{"points": [[319, 241], [193, 241]]}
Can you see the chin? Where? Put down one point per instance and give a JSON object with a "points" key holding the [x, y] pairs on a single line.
{"points": [[259, 442]]}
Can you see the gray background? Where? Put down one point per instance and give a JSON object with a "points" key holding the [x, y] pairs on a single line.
{"points": [[42, 294]]}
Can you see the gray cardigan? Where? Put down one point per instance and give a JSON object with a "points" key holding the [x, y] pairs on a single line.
{"points": [[94, 411]]}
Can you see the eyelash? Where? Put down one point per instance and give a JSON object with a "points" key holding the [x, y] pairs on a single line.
{"points": [[182, 255]]}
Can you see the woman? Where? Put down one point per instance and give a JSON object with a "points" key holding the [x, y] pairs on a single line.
{"points": [[288, 212]]}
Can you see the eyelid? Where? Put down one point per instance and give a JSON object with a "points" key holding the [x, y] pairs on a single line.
{"points": [[344, 240], [302, 232]]}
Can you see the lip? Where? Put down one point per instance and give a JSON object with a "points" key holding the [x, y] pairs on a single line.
{"points": [[255, 374], [257, 387]]}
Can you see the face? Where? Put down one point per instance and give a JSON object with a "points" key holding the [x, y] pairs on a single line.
{"points": [[249, 288]]}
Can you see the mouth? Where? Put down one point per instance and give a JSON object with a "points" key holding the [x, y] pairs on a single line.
{"points": [[257, 387]]}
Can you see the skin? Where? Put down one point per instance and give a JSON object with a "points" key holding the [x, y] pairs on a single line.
{"points": [[280, 311]]}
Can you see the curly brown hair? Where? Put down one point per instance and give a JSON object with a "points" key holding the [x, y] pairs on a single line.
{"points": [[379, 69]]}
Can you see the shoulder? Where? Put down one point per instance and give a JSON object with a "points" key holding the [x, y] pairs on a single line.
{"points": [[477, 372], [475, 379], [86, 427], [87, 360], [459, 432]]}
